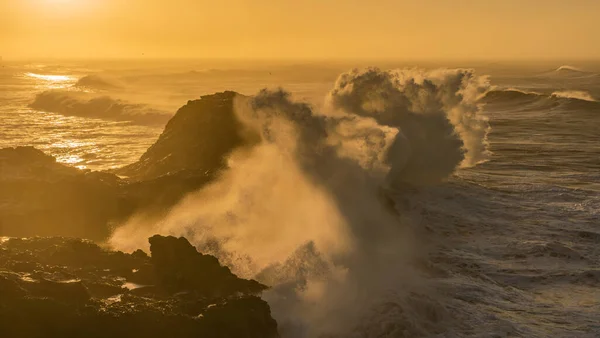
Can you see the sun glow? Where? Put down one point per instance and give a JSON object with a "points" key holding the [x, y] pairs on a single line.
{"points": [[52, 78], [67, 8]]}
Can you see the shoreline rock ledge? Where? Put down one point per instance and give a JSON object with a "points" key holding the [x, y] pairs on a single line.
{"points": [[65, 287]]}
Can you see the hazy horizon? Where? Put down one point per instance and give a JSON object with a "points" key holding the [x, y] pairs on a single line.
{"points": [[265, 29]]}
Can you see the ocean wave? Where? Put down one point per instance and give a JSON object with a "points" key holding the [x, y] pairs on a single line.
{"points": [[511, 95], [570, 72], [571, 100], [311, 187], [567, 68], [101, 107], [574, 94]]}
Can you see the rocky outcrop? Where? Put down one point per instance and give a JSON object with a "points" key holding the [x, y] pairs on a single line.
{"points": [[176, 257], [60, 287], [195, 140], [40, 197]]}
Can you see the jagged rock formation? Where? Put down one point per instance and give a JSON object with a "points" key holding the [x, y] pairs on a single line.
{"points": [[196, 140], [59, 287], [177, 257]]}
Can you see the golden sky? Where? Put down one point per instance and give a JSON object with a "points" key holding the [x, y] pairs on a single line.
{"points": [[405, 29]]}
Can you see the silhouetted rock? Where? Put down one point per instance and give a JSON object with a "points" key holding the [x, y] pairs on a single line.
{"points": [[74, 288], [39, 196], [196, 140], [179, 267]]}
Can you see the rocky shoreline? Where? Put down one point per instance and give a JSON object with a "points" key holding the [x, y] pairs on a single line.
{"points": [[54, 286], [65, 287]]}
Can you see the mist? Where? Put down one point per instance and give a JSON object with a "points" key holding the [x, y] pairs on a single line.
{"points": [[311, 191]]}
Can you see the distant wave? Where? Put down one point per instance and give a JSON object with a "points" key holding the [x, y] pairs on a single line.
{"points": [[567, 99], [96, 81], [102, 107], [511, 95], [567, 68], [566, 71], [574, 94]]}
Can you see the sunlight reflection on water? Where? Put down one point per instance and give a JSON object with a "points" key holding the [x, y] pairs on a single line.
{"points": [[53, 78], [47, 81], [81, 142]]}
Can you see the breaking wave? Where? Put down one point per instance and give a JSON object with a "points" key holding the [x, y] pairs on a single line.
{"points": [[574, 94], [73, 103], [565, 99], [302, 210], [511, 95], [567, 68]]}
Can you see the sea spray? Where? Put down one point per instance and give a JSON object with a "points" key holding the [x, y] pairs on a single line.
{"points": [[302, 209]]}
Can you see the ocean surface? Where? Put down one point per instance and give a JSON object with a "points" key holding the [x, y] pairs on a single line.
{"points": [[509, 246]]}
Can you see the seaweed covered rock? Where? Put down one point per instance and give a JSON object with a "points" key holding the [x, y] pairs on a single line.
{"points": [[61, 287], [196, 139]]}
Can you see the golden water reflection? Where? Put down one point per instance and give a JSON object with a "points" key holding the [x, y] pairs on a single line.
{"points": [[46, 81], [71, 159], [52, 78]]}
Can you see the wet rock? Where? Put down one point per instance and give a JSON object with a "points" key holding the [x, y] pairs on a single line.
{"points": [[10, 287], [78, 289], [179, 267], [71, 291]]}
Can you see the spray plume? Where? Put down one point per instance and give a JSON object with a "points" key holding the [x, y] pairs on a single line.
{"points": [[302, 210]]}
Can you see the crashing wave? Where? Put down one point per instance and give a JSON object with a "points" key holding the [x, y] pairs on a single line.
{"points": [[315, 177], [72, 103], [574, 94]]}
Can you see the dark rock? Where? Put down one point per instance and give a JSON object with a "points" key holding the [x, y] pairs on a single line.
{"points": [[71, 291], [196, 139], [39, 196], [139, 254], [77, 289], [10, 287], [145, 274], [179, 267]]}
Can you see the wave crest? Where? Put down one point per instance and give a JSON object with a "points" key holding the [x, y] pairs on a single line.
{"points": [[574, 94], [102, 107], [569, 100]]}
